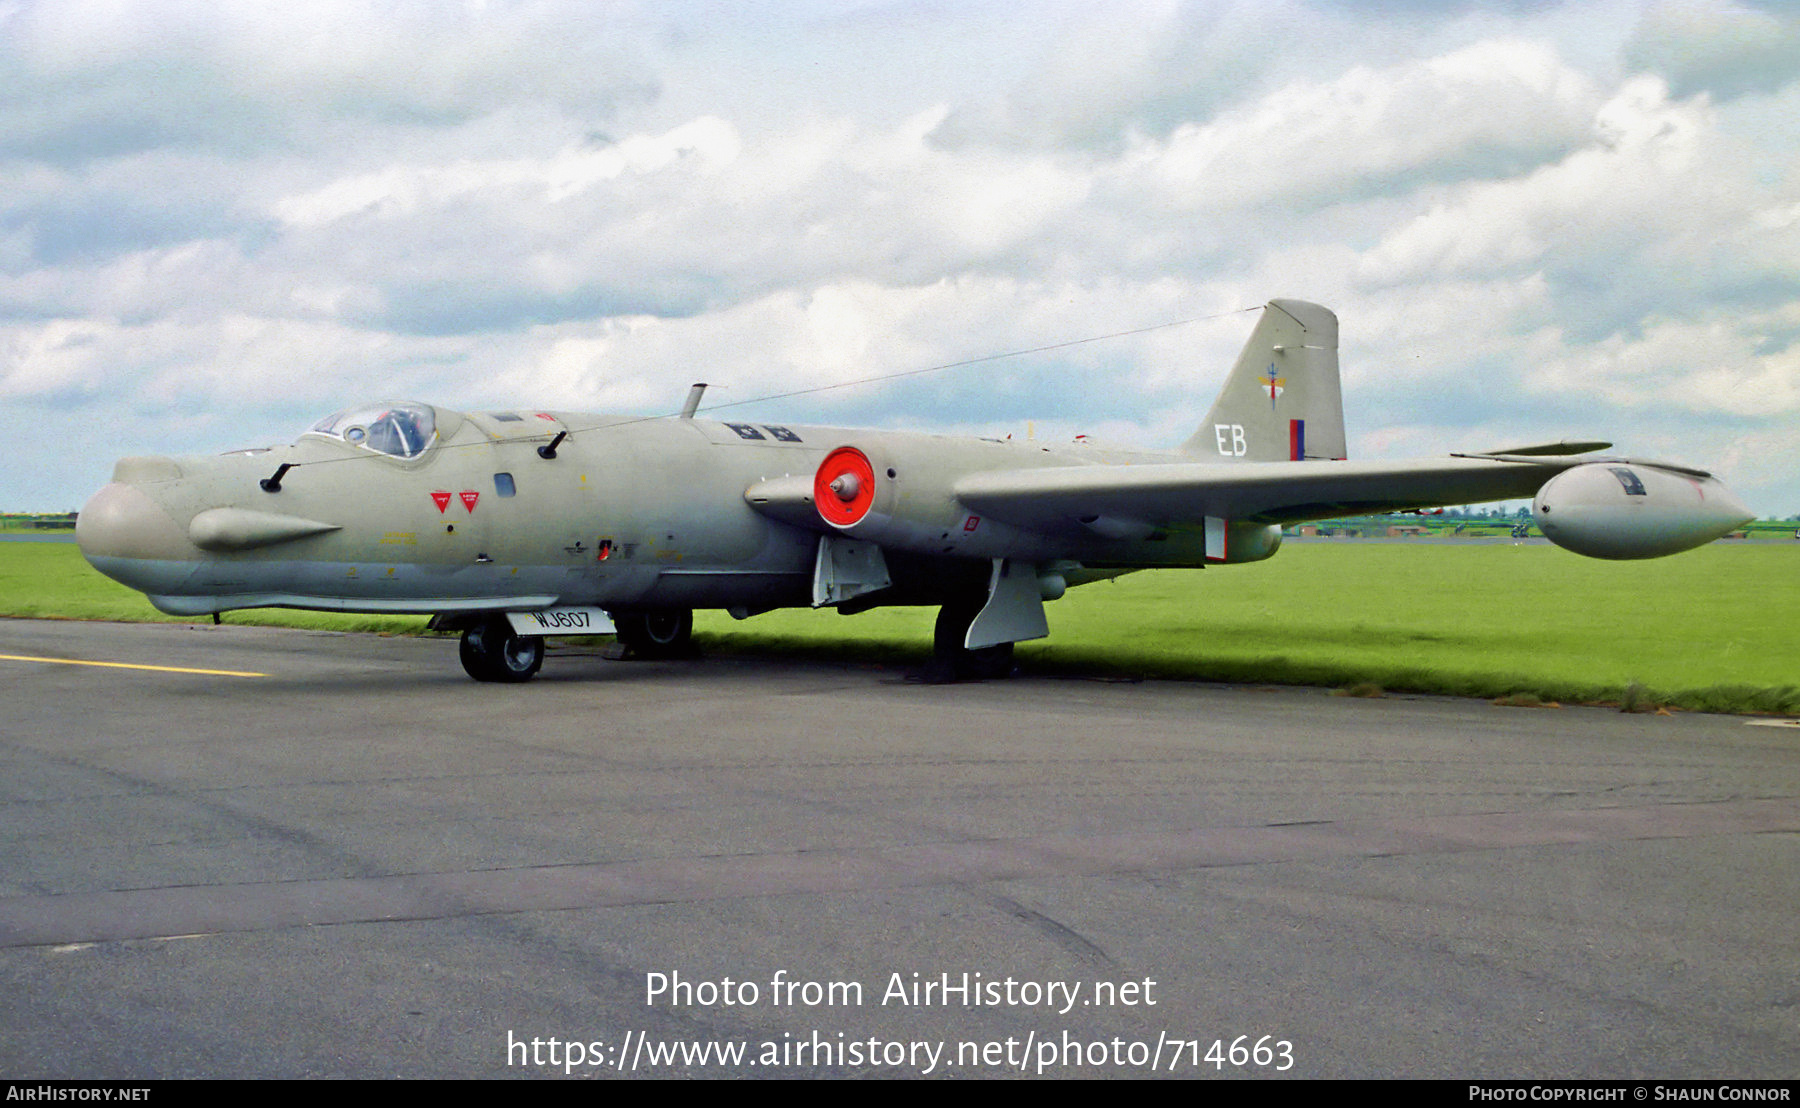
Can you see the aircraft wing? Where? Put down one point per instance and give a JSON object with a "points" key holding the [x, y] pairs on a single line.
{"points": [[1063, 499]]}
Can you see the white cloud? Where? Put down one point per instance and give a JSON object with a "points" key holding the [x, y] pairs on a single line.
{"points": [[1641, 149], [1709, 365], [402, 192], [1661, 213], [1529, 219], [99, 77], [1717, 46], [1493, 107]]}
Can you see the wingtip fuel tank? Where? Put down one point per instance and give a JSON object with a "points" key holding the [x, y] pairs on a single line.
{"points": [[1624, 510]]}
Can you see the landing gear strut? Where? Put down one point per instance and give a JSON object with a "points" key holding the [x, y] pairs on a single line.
{"points": [[663, 634], [493, 651], [951, 661]]}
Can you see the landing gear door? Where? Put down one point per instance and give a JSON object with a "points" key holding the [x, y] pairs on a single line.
{"points": [[1014, 610]]}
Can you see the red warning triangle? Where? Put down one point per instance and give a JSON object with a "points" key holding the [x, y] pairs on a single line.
{"points": [[441, 498], [469, 497]]}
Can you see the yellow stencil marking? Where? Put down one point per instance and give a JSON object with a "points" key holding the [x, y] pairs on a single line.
{"points": [[130, 665]]}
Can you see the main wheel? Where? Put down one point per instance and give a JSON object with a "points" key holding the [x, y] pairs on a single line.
{"points": [[951, 660], [493, 651], [661, 634]]}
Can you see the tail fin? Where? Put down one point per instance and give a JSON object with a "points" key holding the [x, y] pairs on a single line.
{"points": [[1282, 401]]}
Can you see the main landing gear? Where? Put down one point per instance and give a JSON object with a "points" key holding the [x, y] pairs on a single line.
{"points": [[667, 633], [493, 651], [951, 661]]}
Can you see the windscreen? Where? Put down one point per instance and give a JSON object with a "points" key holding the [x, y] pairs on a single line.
{"points": [[399, 429]]}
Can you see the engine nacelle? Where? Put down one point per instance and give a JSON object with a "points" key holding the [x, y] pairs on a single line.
{"points": [[1633, 510], [871, 493]]}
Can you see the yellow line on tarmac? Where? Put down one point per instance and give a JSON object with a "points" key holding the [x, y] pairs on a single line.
{"points": [[130, 665]]}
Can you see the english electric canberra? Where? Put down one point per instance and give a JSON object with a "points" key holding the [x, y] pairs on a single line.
{"points": [[517, 524]]}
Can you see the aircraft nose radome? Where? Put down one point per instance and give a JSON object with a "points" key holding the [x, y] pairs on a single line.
{"points": [[121, 521]]}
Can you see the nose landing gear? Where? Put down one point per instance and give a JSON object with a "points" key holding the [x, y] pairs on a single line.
{"points": [[493, 651]]}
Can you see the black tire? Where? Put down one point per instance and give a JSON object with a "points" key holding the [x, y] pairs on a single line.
{"points": [[990, 663], [952, 627], [951, 661], [668, 633], [493, 651]]}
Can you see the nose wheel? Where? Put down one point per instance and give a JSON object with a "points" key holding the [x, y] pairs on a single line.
{"points": [[493, 651]]}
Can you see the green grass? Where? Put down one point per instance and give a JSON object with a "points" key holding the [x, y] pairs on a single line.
{"points": [[51, 580], [1711, 630], [36, 525]]}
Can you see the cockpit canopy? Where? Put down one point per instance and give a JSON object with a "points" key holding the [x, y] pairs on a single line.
{"points": [[398, 428]]}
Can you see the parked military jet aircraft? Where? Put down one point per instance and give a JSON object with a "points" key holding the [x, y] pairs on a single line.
{"points": [[511, 525]]}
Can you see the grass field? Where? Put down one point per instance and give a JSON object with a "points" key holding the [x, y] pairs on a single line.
{"points": [[1713, 629], [51, 580]]}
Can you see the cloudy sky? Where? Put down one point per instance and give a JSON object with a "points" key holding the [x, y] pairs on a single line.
{"points": [[221, 220]]}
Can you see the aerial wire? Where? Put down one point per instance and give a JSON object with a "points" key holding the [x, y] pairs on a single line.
{"points": [[877, 379], [972, 361]]}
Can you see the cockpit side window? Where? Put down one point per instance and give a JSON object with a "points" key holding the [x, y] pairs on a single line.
{"points": [[397, 429]]}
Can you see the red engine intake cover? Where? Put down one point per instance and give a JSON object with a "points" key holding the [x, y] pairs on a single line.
{"points": [[844, 487]]}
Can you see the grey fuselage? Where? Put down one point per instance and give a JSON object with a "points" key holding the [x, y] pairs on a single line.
{"points": [[629, 513]]}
